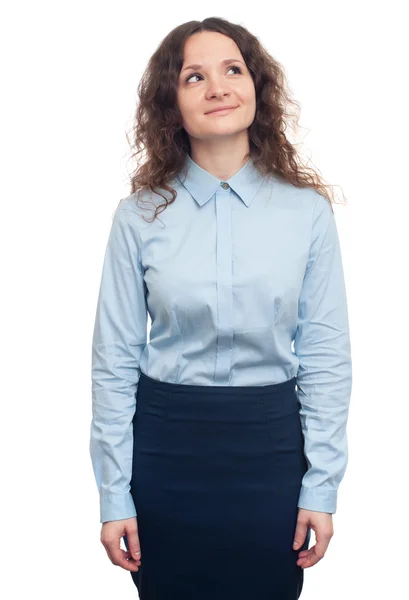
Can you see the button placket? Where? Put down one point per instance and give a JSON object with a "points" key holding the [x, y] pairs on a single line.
{"points": [[224, 285]]}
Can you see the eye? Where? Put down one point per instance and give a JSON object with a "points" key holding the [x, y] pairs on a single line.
{"points": [[197, 74]]}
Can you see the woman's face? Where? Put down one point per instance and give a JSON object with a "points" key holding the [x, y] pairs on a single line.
{"points": [[211, 84]]}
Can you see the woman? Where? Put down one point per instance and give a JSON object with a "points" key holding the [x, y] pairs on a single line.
{"points": [[217, 448]]}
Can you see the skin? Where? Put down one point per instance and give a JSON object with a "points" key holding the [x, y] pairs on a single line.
{"points": [[218, 145]]}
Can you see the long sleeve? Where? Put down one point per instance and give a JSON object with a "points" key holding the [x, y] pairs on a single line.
{"points": [[119, 338], [324, 377]]}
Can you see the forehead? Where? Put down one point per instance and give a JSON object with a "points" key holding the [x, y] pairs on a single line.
{"points": [[208, 47]]}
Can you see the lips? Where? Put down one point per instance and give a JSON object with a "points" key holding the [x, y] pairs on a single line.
{"points": [[220, 108]]}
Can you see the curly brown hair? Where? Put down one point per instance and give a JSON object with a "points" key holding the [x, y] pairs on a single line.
{"points": [[157, 124]]}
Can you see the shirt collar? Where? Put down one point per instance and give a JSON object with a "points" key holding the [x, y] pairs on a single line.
{"points": [[202, 185]]}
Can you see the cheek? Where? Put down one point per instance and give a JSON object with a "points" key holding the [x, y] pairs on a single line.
{"points": [[246, 94], [187, 108], [250, 95]]}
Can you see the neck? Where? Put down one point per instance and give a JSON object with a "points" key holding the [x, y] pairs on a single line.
{"points": [[221, 157]]}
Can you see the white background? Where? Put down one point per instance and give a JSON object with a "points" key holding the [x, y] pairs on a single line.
{"points": [[69, 76]]}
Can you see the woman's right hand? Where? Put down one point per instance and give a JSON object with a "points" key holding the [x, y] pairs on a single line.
{"points": [[111, 534]]}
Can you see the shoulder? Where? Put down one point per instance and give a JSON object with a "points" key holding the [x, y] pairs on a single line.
{"points": [[316, 207], [135, 208], [315, 202], [322, 217], [310, 206], [145, 202], [131, 203], [306, 199]]}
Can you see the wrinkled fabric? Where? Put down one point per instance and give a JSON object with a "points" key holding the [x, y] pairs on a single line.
{"points": [[243, 283]]}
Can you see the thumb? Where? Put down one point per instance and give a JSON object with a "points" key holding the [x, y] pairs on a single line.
{"points": [[133, 540], [299, 535]]}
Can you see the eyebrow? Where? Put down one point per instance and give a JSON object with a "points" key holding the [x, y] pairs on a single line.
{"points": [[224, 62]]}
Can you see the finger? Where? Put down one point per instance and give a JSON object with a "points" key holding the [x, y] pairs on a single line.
{"points": [[121, 558], [299, 535], [321, 546], [129, 555], [134, 545], [310, 559], [324, 534], [118, 556], [306, 563]]}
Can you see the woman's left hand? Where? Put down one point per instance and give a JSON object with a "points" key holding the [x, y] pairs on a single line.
{"points": [[323, 528]]}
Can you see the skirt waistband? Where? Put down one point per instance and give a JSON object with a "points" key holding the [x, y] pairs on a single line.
{"points": [[273, 389]]}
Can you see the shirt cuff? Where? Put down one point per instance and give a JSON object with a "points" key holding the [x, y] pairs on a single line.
{"points": [[114, 507], [318, 499]]}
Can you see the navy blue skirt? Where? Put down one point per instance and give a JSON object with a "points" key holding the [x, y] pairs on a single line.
{"points": [[216, 477]]}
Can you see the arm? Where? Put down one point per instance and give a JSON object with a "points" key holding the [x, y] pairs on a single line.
{"points": [[119, 338], [324, 378]]}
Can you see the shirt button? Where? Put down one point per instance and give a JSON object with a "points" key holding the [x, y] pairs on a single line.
{"points": [[225, 186]]}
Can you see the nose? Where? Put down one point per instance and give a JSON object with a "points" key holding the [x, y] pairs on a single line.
{"points": [[217, 88]]}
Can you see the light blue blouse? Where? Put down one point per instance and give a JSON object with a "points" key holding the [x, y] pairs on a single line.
{"points": [[243, 282]]}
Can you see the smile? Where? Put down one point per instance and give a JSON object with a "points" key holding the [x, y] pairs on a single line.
{"points": [[225, 111]]}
